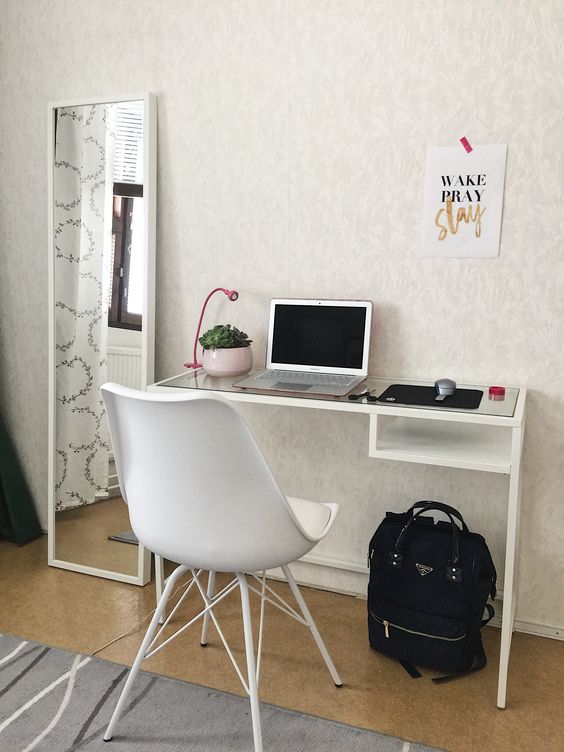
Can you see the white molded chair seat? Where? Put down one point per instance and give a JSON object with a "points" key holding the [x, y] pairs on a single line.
{"points": [[201, 494], [313, 517]]}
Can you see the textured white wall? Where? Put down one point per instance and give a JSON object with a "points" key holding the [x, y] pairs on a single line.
{"points": [[292, 137]]}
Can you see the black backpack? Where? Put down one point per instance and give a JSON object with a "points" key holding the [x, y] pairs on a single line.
{"points": [[428, 588]]}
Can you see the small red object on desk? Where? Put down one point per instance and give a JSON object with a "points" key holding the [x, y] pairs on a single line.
{"points": [[496, 392]]}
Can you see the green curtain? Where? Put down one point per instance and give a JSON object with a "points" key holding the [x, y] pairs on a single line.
{"points": [[18, 518]]}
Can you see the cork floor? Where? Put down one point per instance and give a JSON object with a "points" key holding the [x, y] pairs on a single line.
{"points": [[83, 613]]}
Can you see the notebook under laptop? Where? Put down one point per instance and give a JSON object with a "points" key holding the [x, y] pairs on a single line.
{"points": [[315, 346]]}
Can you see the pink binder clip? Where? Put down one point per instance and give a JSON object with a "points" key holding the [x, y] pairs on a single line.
{"points": [[466, 144]]}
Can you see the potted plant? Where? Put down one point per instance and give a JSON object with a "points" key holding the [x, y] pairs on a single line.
{"points": [[227, 351]]}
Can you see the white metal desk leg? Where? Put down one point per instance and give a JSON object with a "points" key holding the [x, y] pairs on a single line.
{"points": [[159, 582], [511, 554], [206, 619]]}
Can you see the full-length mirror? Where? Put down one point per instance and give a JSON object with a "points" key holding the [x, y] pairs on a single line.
{"points": [[102, 200]]}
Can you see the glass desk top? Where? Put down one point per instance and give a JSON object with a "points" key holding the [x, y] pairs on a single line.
{"points": [[200, 380]]}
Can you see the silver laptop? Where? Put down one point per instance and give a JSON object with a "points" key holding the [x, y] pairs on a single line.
{"points": [[315, 346]]}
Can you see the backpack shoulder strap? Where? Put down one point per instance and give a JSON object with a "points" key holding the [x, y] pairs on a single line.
{"points": [[478, 664]]}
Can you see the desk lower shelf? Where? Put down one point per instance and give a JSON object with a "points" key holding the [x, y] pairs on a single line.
{"points": [[470, 446]]}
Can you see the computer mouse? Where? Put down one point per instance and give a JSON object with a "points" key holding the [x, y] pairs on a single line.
{"points": [[444, 387]]}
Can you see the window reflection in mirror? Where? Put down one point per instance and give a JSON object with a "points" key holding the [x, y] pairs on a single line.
{"points": [[126, 282]]}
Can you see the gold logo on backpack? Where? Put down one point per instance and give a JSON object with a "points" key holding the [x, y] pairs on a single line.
{"points": [[423, 569]]}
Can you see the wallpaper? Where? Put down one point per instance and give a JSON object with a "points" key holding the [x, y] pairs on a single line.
{"points": [[292, 141]]}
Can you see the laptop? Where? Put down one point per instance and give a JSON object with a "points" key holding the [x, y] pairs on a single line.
{"points": [[315, 346]]}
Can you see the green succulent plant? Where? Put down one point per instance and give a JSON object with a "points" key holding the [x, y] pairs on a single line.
{"points": [[224, 336]]}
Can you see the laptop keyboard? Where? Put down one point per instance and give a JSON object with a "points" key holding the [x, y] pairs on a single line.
{"points": [[299, 377]]}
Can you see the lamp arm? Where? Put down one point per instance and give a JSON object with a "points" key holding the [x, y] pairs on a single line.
{"points": [[217, 289], [231, 295]]}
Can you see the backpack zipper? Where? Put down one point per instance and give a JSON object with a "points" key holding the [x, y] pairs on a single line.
{"points": [[387, 624]]}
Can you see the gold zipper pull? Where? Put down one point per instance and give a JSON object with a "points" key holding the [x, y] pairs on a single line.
{"points": [[386, 630]]}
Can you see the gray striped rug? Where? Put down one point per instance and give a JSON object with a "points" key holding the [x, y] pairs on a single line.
{"points": [[55, 701]]}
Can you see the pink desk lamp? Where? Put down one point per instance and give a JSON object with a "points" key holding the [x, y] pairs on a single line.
{"points": [[232, 295]]}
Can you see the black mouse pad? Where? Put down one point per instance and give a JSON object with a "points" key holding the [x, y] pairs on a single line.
{"points": [[406, 394]]}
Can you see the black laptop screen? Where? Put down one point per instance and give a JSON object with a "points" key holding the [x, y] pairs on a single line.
{"points": [[325, 336]]}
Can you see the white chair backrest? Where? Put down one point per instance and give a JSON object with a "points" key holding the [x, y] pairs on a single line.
{"points": [[198, 488]]}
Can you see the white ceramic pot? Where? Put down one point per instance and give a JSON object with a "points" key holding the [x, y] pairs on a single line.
{"points": [[229, 361]]}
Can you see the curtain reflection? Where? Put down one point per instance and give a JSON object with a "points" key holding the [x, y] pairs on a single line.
{"points": [[83, 186]]}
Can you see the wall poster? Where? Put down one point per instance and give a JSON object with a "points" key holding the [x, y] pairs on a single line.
{"points": [[463, 201]]}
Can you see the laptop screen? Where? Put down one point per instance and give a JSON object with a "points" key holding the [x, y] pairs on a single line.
{"points": [[319, 335]]}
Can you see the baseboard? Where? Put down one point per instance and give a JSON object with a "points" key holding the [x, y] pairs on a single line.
{"points": [[539, 630], [526, 627]]}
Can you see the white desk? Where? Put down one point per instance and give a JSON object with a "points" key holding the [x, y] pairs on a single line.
{"points": [[488, 439]]}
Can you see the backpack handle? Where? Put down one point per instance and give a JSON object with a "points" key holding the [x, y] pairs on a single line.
{"points": [[441, 506], [455, 552]]}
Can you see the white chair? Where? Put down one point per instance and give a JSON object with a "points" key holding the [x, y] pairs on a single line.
{"points": [[201, 494]]}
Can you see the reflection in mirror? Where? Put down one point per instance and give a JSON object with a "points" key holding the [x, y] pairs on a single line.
{"points": [[102, 295]]}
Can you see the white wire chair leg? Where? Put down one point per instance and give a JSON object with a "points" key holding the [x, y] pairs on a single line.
{"points": [[312, 625], [206, 618], [142, 650], [251, 672], [159, 582]]}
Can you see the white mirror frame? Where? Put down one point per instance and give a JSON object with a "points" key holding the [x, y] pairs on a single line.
{"points": [[148, 331]]}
